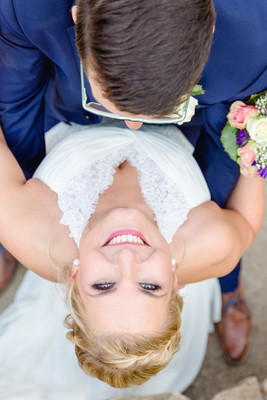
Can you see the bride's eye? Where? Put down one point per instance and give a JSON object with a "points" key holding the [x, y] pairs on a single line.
{"points": [[150, 286], [103, 286]]}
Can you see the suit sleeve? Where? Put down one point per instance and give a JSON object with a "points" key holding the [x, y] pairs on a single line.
{"points": [[23, 72]]}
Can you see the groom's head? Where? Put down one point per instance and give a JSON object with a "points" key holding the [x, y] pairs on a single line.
{"points": [[143, 56]]}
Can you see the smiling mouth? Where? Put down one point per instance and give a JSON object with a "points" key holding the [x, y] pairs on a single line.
{"points": [[126, 237]]}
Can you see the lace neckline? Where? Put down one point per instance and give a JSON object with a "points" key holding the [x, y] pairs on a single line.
{"points": [[78, 200]]}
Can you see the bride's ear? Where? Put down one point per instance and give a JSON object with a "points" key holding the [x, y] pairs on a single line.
{"points": [[175, 275], [75, 268], [176, 283]]}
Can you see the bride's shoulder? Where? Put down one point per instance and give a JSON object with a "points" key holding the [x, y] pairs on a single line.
{"points": [[201, 218], [204, 227], [38, 239], [207, 240], [207, 217]]}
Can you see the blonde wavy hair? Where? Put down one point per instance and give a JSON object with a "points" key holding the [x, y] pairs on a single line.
{"points": [[121, 360]]}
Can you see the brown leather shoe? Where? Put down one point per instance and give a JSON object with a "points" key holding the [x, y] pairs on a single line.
{"points": [[234, 329], [7, 267]]}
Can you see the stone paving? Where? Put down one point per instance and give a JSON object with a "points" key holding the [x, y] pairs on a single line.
{"points": [[248, 389]]}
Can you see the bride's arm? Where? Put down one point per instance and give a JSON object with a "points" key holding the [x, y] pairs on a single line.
{"points": [[26, 214], [212, 240]]}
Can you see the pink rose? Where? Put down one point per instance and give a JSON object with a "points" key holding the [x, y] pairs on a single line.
{"points": [[246, 155], [249, 172], [240, 113]]}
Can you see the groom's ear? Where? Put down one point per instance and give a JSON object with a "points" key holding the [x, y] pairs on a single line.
{"points": [[74, 13]]}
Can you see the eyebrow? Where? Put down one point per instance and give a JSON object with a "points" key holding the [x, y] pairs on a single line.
{"points": [[148, 293]]}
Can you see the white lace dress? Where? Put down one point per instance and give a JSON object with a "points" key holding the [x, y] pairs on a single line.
{"points": [[36, 360]]}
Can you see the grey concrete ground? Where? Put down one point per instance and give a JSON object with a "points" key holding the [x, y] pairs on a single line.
{"points": [[215, 374]]}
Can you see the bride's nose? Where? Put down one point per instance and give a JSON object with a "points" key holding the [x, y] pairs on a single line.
{"points": [[126, 257]]}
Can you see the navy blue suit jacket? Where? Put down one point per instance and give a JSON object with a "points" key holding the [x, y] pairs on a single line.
{"points": [[39, 75], [236, 68], [40, 81]]}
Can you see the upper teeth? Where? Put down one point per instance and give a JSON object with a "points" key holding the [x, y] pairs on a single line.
{"points": [[126, 238]]}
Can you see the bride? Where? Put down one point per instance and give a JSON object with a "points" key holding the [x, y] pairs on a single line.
{"points": [[123, 219]]}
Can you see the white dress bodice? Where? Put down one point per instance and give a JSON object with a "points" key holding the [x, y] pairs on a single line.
{"points": [[82, 166]]}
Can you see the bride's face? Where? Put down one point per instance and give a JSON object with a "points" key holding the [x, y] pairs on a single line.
{"points": [[125, 277]]}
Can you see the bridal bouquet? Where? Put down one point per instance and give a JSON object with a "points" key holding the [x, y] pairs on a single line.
{"points": [[244, 136]]}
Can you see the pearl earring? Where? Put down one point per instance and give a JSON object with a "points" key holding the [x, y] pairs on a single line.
{"points": [[173, 261], [76, 262]]}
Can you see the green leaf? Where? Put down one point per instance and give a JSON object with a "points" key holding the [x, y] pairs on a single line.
{"points": [[197, 89], [228, 139], [252, 100]]}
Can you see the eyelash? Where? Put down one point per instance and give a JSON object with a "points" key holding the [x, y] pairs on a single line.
{"points": [[108, 286], [153, 288], [103, 286]]}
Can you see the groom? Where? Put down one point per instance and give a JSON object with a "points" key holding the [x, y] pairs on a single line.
{"points": [[138, 65]]}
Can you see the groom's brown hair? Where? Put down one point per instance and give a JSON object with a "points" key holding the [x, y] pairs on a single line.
{"points": [[146, 54]]}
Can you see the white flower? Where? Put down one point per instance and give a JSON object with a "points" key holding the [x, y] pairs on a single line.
{"points": [[257, 129], [190, 110]]}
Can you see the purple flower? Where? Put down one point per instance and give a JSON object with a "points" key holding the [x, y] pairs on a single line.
{"points": [[263, 172], [242, 137]]}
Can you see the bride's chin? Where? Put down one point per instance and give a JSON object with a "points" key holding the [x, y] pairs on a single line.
{"points": [[132, 216], [128, 214], [104, 223], [121, 219]]}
